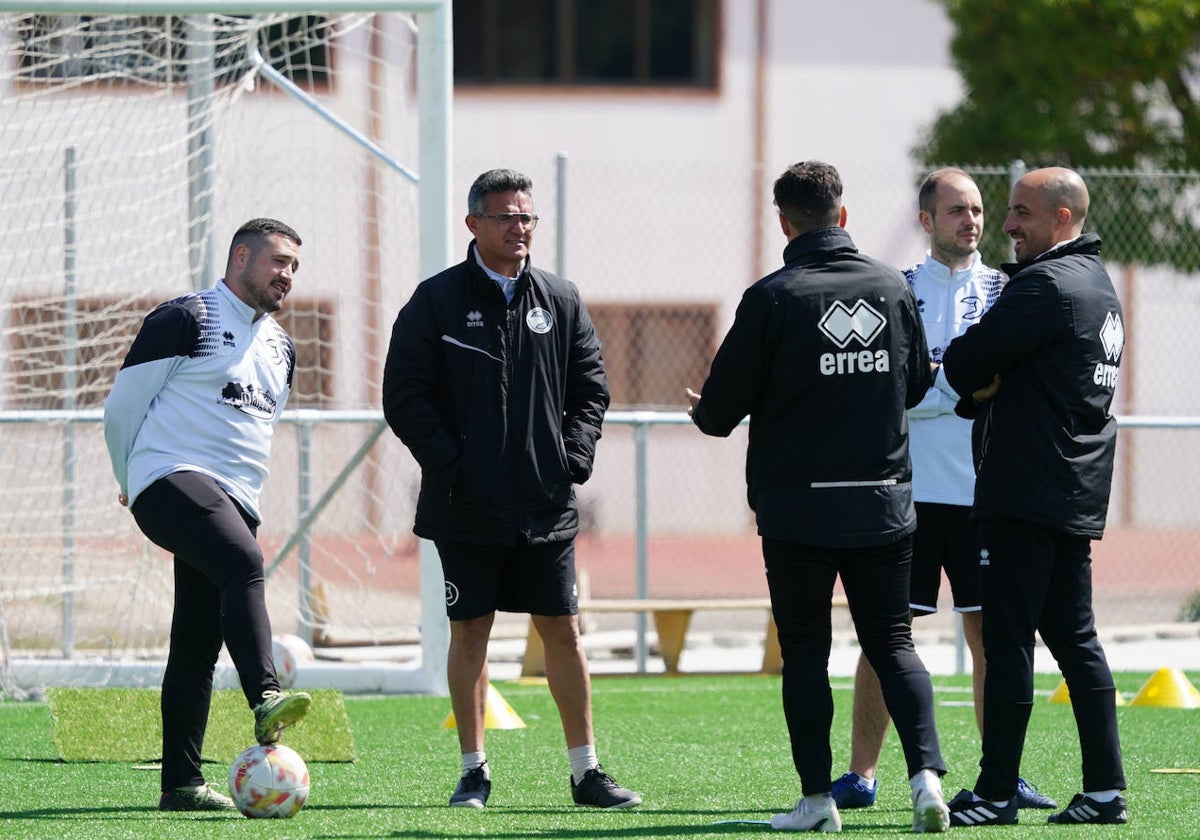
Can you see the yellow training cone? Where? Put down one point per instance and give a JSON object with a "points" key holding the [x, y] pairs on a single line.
{"points": [[1062, 694], [1169, 688], [497, 714]]}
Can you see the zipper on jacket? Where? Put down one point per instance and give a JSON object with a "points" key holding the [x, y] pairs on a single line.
{"points": [[509, 373]]}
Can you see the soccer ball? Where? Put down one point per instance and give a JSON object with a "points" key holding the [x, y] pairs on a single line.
{"points": [[269, 781], [289, 652]]}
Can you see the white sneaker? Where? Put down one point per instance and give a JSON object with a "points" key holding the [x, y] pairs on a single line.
{"points": [[809, 816], [930, 814]]}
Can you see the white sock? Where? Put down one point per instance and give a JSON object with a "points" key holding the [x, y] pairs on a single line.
{"points": [[1103, 795], [582, 760], [819, 800], [869, 783], [472, 760]]}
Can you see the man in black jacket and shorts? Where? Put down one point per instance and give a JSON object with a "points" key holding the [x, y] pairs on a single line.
{"points": [[495, 383], [825, 355], [1041, 367]]}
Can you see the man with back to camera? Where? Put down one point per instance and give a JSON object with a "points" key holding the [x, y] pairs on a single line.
{"points": [[825, 355], [953, 289], [495, 383], [188, 425], [1040, 369]]}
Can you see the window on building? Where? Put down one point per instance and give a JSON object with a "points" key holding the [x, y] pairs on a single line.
{"points": [[155, 49], [311, 323], [651, 351], [586, 42], [48, 370]]}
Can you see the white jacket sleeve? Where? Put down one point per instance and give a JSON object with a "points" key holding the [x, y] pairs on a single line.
{"points": [[134, 388]]}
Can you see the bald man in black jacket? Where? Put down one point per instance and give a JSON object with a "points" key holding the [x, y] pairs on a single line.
{"points": [[1041, 366]]}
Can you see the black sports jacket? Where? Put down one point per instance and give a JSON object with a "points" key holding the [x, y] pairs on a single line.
{"points": [[1046, 441], [500, 403], [825, 355]]}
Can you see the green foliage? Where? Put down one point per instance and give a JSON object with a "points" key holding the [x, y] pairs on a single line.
{"points": [[701, 750], [1087, 84], [1190, 611]]}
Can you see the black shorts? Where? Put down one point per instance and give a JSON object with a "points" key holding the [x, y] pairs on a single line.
{"points": [[945, 539], [481, 579]]}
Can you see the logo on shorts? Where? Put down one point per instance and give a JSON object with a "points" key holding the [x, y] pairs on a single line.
{"points": [[539, 320], [451, 594], [985, 557]]}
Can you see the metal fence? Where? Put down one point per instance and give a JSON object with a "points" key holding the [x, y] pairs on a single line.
{"points": [[662, 252]]}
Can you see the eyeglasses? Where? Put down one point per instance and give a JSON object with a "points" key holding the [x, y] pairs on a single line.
{"points": [[529, 220]]}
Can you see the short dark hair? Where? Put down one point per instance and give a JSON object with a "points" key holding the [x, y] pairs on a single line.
{"points": [[255, 232], [927, 195], [809, 195], [496, 181]]}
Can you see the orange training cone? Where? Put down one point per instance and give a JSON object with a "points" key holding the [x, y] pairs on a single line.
{"points": [[1169, 688], [497, 714]]}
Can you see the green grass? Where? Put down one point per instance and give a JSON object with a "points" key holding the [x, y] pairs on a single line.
{"points": [[124, 724], [700, 749]]}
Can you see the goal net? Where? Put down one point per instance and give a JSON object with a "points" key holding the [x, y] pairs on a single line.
{"points": [[132, 146]]}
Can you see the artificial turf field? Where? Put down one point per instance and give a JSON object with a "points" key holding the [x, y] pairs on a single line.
{"points": [[707, 753]]}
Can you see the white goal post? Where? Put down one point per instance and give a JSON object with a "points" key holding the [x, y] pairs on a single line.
{"points": [[134, 138]]}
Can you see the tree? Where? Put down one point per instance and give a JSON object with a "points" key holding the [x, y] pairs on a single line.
{"points": [[1090, 84]]}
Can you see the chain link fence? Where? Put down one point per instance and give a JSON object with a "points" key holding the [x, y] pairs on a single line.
{"points": [[662, 251]]}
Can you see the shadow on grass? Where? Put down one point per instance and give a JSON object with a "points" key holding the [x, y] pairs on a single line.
{"points": [[718, 822], [122, 812]]}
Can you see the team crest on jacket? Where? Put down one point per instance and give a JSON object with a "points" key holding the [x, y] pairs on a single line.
{"points": [[844, 325], [539, 320]]}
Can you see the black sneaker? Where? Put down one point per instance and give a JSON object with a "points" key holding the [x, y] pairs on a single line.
{"points": [[966, 811], [194, 798], [1084, 809], [473, 789], [601, 790], [1028, 796]]}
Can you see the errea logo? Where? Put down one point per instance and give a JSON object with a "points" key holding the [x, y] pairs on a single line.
{"points": [[474, 318], [1112, 338], [844, 325]]}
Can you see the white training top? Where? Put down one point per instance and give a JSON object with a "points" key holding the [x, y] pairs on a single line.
{"points": [[940, 440], [201, 390]]}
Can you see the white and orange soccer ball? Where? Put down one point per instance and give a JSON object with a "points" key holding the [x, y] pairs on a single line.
{"points": [[269, 781], [290, 654]]}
